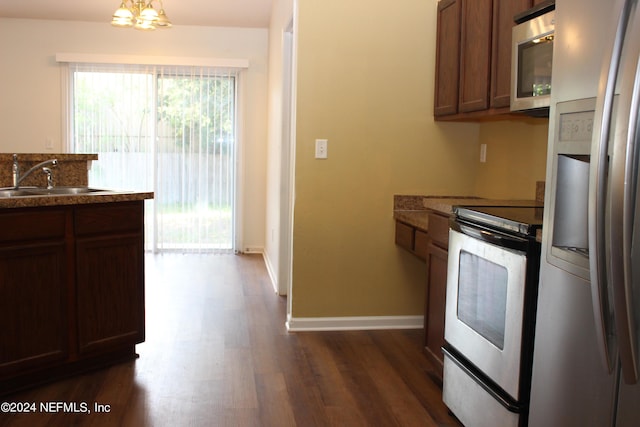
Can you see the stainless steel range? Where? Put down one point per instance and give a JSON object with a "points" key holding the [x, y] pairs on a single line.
{"points": [[492, 287]]}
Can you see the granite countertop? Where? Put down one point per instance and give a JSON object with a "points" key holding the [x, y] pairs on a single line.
{"points": [[445, 205], [38, 157], [411, 210], [73, 199], [414, 210]]}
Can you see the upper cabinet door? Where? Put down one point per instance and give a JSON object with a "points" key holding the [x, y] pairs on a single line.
{"points": [[447, 58], [473, 58], [475, 55], [503, 13]]}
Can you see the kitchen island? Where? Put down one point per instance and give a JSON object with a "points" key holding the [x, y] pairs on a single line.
{"points": [[71, 284]]}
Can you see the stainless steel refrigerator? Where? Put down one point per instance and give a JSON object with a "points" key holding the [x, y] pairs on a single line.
{"points": [[585, 364]]}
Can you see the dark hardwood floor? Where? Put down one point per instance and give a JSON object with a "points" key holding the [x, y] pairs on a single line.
{"points": [[217, 354]]}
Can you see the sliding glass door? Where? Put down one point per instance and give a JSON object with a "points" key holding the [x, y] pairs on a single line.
{"points": [[171, 131]]}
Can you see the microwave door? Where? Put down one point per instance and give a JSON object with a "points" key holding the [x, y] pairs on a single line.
{"points": [[532, 60]]}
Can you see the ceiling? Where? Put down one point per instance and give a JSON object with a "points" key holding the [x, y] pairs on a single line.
{"points": [[213, 13]]}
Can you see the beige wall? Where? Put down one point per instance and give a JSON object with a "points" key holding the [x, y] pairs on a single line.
{"points": [[516, 158], [365, 83], [30, 86]]}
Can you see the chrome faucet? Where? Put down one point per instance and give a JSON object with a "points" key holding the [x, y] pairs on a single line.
{"points": [[49, 174], [17, 178]]}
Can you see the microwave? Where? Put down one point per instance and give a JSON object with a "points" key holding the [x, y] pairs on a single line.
{"points": [[531, 63]]}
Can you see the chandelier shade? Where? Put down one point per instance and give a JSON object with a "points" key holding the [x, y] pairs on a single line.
{"points": [[140, 15]]}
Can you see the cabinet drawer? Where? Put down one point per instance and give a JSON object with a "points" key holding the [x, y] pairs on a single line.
{"points": [[109, 217], [420, 244], [36, 224], [404, 236], [439, 229]]}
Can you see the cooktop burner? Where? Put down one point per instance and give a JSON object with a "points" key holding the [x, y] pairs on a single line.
{"points": [[525, 220]]}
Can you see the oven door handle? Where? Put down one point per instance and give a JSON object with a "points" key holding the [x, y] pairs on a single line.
{"points": [[498, 239]]}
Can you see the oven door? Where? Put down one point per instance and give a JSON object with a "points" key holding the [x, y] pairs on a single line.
{"points": [[484, 305]]}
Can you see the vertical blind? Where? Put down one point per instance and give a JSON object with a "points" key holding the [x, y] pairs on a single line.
{"points": [[171, 130]]}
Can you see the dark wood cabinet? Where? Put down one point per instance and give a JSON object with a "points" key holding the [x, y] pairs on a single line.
{"points": [[405, 236], [33, 283], [435, 304], [428, 239], [71, 290], [412, 239], [475, 54], [473, 57], [447, 58], [109, 271], [436, 289]]}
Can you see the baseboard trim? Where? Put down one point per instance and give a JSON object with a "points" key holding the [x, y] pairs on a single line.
{"points": [[301, 324], [270, 271]]}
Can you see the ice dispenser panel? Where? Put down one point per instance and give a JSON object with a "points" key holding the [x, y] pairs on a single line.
{"points": [[569, 238], [570, 229]]}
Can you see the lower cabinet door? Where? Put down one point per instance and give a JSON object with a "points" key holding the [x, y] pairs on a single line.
{"points": [[435, 304], [110, 292], [33, 308]]}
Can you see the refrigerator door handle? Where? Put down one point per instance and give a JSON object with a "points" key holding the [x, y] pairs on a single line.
{"points": [[599, 248], [624, 174]]}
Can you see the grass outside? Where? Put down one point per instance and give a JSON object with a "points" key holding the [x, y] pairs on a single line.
{"points": [[196, 227]]}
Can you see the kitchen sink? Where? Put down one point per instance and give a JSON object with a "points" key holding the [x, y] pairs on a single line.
{"points": [[56, 191], [12, 192], [62, 190]]}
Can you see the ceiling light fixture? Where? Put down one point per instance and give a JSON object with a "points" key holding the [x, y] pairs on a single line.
{"points": [[140, 15]]}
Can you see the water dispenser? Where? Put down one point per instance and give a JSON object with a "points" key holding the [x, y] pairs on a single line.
{"points": [[569, 237]]}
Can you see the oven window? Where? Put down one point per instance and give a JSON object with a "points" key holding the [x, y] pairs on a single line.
{"points": [[482, 297]]}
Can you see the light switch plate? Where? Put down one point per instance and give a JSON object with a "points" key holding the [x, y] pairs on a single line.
{"points": [[321, 148], [483, 153]]}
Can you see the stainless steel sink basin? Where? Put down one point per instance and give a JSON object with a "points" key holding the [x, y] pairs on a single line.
{"points": [[10, 192], [62, 190], [56, 191]]}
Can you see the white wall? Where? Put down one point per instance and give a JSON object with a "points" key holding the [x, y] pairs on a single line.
{"points": [[281, 16], [31, 98]]}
